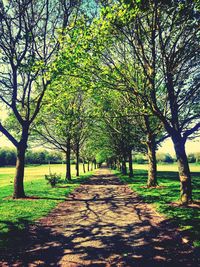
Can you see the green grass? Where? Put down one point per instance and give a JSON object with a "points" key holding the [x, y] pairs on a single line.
{"points": [[34, 172], [186, 218], [16, 214]]}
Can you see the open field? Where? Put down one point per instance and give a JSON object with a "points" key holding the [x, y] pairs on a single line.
{"points": [[16, 214], [165, 198], [34, 172]]}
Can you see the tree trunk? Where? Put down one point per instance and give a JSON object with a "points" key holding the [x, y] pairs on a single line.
{"points": [[19, 176], [130, 163], [95, 164], [84, 166], [152, 171], [88, 166], [118, 165], [68, 157], [115, 164], [184, 171], [179, 144], [124, 170], [91, 166], [77, 160], [111, 164]]}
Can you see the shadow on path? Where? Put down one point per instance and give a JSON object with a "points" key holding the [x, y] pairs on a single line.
{"points": [[103, 223]]}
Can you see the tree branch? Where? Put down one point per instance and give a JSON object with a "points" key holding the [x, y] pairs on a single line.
{"points": [[8, 135]]}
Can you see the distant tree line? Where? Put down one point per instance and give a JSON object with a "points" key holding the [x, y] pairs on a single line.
{"points": [[8, 157], [165, 158], [194, 157]]}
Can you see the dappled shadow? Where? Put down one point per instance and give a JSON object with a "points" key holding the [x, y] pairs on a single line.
{"points": [[108, 179], [75, 180], [102, 224], [35, 244], [167, 197]]}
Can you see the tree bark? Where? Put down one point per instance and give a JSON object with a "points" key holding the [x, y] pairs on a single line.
{"points": [[130, 161], [124, 170], [68, 157], [84, 166], [95, 164], [88, 166], [77, 160], [152, 170], [118, 165], [19, 176], [91, 166], [184, 171], [115, 164]]}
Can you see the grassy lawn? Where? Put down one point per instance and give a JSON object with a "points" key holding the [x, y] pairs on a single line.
{"points": [[33, 172], [163, 197], [15, 214]]}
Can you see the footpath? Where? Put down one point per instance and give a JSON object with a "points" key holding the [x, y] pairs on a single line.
{"points": [[103, 224]]}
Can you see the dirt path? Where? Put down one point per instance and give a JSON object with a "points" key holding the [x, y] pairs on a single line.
{"points": [[103, 223]]}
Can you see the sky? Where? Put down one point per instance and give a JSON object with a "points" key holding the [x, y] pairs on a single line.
{"points": [[191, 147]]}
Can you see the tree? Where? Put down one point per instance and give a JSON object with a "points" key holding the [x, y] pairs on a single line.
{"points": [[28, 42], [163, 39], [63, 124], [83, 125], [67, 111], [150, 131]]}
